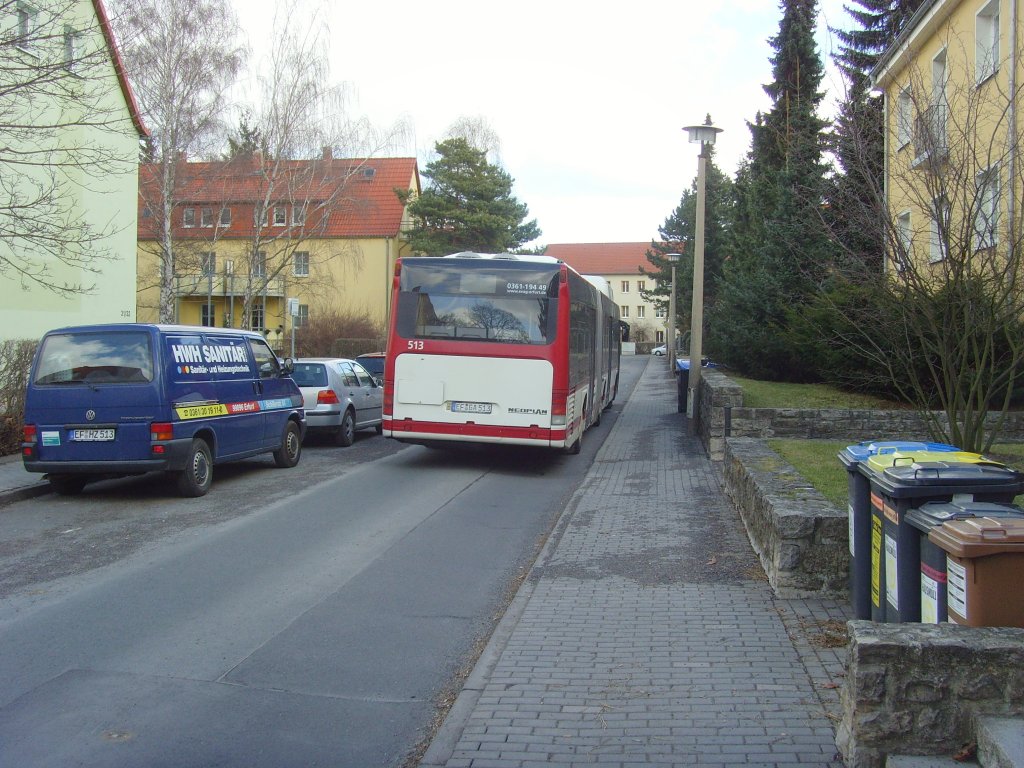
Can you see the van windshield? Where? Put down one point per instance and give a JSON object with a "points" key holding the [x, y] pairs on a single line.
{"points": [[95, 358]]}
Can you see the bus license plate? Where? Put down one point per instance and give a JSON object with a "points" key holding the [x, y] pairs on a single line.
{"points": [[91, 435], [458, 407]]}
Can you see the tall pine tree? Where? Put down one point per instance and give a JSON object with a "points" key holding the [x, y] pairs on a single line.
{"points": [[467, 206], [858, 144], [781, 243]]}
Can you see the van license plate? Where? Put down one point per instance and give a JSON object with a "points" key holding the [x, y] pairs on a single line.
{"points": [[93, 435], [458, 407]]}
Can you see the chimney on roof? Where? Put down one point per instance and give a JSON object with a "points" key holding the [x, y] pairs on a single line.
{"points": [[328, 153]]}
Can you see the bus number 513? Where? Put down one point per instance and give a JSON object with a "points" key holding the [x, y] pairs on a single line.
{"points": [[415, 345]]}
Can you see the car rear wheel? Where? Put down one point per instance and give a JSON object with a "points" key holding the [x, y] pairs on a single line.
{"points": [[68, 485], [195, 479], [346, 434], [291, 447]]}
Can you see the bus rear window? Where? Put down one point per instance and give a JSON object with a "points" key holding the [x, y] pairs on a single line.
{"points": [[510, 306], [95, 358]]}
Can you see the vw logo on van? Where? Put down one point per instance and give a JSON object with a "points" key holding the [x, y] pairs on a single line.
{"points": [[90, 415]]}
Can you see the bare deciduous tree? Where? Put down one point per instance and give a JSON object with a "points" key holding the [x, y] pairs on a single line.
{"points": [[944, 325], [313, 147], [182, 58], [65, 129], [479, 134]]}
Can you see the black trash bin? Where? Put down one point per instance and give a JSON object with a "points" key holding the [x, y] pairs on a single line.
{"points": [[682, 384], [859, 509], [927, 518], [897, 490]]}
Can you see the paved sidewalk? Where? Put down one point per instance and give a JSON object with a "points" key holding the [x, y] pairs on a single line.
{"points": [[16, 483], [646, 634]]}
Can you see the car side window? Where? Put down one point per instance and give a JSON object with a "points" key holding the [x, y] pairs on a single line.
{"points": [[266, 360], [348, 375], [365, 379]]}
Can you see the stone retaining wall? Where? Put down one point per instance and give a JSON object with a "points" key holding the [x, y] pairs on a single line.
{"points": [[801, 538], [915, 689], [723, 415]]}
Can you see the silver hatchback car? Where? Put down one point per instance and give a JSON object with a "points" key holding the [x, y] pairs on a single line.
{"points": [[339, 396]]}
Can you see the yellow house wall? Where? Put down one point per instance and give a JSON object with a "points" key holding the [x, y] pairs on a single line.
{"points": [[976, 110], [634, 300], [349, 276], [106, 198]]}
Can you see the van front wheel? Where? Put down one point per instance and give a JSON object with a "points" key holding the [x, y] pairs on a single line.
{"points": [[194, 480], [291, 447]]}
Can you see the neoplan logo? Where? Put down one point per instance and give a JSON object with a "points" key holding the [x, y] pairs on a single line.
{"points": [[531, 411]]}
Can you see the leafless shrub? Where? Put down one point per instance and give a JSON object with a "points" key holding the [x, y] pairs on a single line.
{"points": [[15, 360]]}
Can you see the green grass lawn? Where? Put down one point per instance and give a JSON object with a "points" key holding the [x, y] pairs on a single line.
{"points": [[816, 461], [781, 394]]}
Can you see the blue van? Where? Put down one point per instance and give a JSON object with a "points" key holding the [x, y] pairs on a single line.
{"points": [[125, 399]]}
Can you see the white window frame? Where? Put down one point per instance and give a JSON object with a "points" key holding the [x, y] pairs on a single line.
{"points": [[986, 41], [986, 211], [72, 48], [625, 286], [623, 311], [259, 266], [661, 313], [641, 285], [225, 217], [27, 22], [208, 263], [640, 312], [303, 317], [206, 216], [298, 215], [904, 117], [905, 234], [208, 314], [280, 216], [936, 245], [300, 264], [188, 217]]}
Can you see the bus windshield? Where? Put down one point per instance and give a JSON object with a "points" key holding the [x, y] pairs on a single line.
{"points": [[478, 301]]}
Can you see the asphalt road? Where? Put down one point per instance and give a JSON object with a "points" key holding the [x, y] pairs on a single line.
{"points": [[322, 615]]}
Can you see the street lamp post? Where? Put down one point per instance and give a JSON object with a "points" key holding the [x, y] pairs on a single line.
{"points": [[670, 331], [705, 135]]}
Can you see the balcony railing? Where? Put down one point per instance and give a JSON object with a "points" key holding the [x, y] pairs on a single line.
{"points": [[930, 137], [226, 285]]}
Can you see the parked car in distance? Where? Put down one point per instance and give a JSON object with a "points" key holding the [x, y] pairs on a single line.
{"points": [[659, 351], [339, 396], [374, 363]]}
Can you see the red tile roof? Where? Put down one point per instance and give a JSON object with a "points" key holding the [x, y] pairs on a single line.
{"points": [[355, 195], [602, 258], [122, 79]]}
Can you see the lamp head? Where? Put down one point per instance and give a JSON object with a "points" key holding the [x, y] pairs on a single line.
{"points": [[703, 134], [673, 257]]}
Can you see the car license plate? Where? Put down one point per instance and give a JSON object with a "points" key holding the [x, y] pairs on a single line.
{"points": [[91, 435], [458, 407]]}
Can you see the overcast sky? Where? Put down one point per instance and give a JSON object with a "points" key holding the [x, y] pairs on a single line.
{"points": [[588, 100]]}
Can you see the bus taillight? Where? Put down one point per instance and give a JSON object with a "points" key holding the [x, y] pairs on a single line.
{"points": [[558, 398]]}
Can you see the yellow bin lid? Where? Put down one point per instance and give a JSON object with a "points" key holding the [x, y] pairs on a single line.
{"points": [[884, 461]]}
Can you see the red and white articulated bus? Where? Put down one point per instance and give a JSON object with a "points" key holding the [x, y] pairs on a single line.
{"points": [[519, 350]]}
